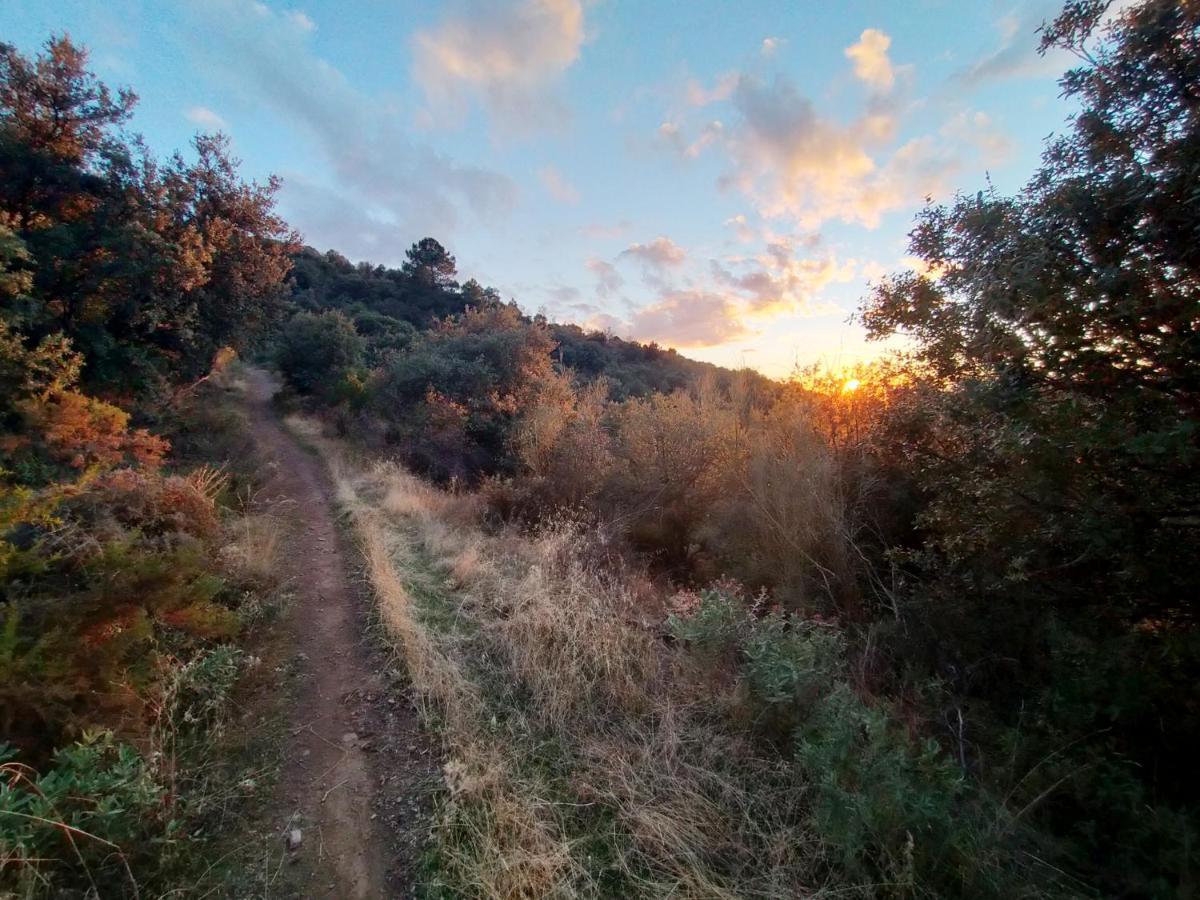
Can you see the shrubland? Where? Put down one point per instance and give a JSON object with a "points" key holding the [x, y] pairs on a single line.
{"points": [[921, 628], [946, 598], [132, 572]]}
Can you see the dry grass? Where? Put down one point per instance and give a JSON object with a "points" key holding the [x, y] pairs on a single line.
{"points": [[577, 766], [253, 546]]}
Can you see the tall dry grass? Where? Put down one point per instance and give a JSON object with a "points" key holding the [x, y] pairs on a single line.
{"points": [[577, 763]]}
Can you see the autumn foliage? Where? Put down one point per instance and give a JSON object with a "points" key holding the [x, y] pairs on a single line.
{"points": [[125, 282]]}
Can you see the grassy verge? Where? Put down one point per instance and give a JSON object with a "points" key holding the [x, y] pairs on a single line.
{"points": [[573, 767]]}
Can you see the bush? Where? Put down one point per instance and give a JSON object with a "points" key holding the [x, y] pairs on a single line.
{"points": [[891, 808], [84, 824], [104, 585], [317, 350]]}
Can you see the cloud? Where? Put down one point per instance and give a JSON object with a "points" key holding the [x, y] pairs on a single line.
{"points": [[978, 130], [330, 218], [606, 231], [671, 134], [564, 294], [557, 186], [206, 118], [658, 253], [301, 20], [698, 95], [770, 45], [608, 280], [1016, 55], [720, 304], [741, 228], [506, 55], [795, 161], [688, 318], [778, 281], [401, 188], [870, 58]]}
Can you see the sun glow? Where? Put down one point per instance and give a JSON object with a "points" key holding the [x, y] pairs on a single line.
{"points": [[851, 386]]}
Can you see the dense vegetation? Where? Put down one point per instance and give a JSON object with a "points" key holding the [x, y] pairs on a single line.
{"points": [[1000, 525], [925, 627], [127, 573]]}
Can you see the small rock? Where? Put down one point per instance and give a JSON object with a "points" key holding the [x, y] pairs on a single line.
{"points": [[294, 837], [349, 737]]}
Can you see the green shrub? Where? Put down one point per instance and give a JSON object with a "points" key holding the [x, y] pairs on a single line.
{"points": [[85, 823], [891, 809], [716, 624], [317, 350]]}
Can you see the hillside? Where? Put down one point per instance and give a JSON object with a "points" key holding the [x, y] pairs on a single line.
{"points": [[388, 305], [332, 580]]}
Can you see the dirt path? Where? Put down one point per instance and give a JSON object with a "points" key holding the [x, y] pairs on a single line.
{"points": [[356, 767]]}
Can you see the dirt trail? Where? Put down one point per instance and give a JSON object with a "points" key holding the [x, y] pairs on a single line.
{"points": [[356, 767]]}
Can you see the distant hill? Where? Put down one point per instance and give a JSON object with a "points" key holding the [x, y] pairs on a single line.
{"points": [[379, 300]]}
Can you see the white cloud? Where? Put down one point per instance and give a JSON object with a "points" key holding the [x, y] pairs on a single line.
{"points": [[721, 303], [770, 45], [793, 160], [796, 163], [605, 230], [301, 20], [778, 280], [698, 95], [871, 62], [688, 318], [741, 228], [558, 186], [391, 188], [205, 118], [507, 55], [671, 134], [978, 130], [1016, 54]]}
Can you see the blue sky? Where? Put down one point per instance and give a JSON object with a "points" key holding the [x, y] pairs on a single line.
{"points": [[726, 178]]}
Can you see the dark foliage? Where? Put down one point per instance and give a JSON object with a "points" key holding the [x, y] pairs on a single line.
{"points": [[1057, 449], [146, 267], [315, 352]]}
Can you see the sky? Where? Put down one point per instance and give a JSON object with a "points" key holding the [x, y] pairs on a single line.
{"points": [[725, 178]]}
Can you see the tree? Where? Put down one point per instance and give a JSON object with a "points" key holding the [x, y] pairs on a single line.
{"points": [[147, 268], [474, 375], [1056, 442], [429, 263]]}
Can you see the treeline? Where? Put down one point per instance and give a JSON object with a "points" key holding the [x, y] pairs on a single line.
{"points": [[1002, 524], [129, 572], [388, 306]]}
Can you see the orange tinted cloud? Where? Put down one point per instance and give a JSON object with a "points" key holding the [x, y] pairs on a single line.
{"points": [[871, 62]]}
